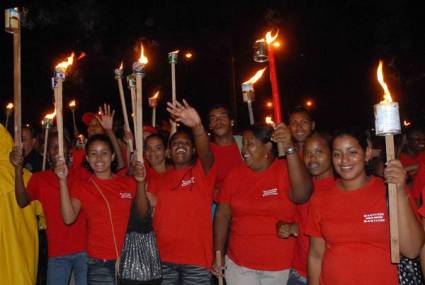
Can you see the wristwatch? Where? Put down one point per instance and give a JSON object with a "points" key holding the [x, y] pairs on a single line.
{"points": [[291, 150]]}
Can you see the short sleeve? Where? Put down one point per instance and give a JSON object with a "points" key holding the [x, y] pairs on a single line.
{"points": [[314, 219], [33, 187]]}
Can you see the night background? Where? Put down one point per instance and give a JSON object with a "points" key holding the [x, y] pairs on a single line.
{"points": [[330, 53]]}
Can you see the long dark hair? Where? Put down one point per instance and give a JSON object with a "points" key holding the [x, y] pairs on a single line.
{"points": [[107, 141]]}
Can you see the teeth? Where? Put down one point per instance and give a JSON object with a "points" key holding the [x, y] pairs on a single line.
{"points": [[180, 150]]}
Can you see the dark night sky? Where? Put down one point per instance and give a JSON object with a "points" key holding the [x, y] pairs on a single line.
{"points": [[330, 53]]}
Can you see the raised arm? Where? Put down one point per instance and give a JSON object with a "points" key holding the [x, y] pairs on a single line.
{"points": [[141, 201], [17, 160], [69, 207], [106, 120], [301, 184], [411, 232], [189, 117]]}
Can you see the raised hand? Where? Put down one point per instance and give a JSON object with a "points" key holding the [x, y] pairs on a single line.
{"points": [[184, 113], [395, 173], [61, 170], [139, 171], [16, 156], [106, 116], [282, 134]]}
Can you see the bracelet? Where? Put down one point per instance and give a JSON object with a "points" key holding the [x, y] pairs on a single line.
{"points": [[291, 150]]}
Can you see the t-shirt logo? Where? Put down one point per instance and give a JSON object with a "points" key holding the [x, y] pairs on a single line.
{"points": [[188, 182], [373, 218], [270, 192], [126, 195]]}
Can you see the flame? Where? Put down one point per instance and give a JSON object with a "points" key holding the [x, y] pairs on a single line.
{"points": [[64, 64], [143, 59], [188, 55], [50, 116], [260, 40], [72, 104], [176, 51], [270, 38], [406, 123], [9, 106], [155, 96], [380, 75], [257, 76], [269, 120], [121, 66], [81, 56]]}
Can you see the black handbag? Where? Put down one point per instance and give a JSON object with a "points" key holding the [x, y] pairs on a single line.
{"points": [[139, 260]]}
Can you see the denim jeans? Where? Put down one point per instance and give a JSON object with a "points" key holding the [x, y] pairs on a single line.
{"points": [[184, 274], [101, 272], [59, 269], [296, 279]]}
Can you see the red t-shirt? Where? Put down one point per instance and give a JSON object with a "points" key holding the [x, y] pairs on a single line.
{"points": [[355, 227], [119, 191], [62, 239], [258, 200], [226, 158], [407, 160], [78, 156], [418, 181], [182, 219], [303, 242]]}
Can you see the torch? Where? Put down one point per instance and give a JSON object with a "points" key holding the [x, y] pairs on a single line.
{"points": [[12, 25], [387, 123], [46, 124], [261, 56], [9, 109], [57, 82], [118, 76], [153, 102], [248, 92], [173, 59], [132, 86], [139, 72], [72, 106]]}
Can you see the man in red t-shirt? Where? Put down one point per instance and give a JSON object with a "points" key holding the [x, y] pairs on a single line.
{"points": [[301, 125], [413, 151], [223, 144], [66, 244]]}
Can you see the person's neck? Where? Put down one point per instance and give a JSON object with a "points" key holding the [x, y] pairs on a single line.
{"points": [[326, 174], [263, 166], [300, 146], [104, 175], [161, 168], [224, 140], [411, 152], [355, 183], [183, 165]]}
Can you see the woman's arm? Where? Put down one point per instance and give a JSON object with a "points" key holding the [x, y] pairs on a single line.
{"points": [[188, 116], [141, 201], [410, 231], [315, 257], [17, 160], [69, 207], [106, 120], [301, 185], [222, 219]]}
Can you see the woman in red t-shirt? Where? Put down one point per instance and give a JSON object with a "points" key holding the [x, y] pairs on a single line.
{"points": [[254, 198], [182, 219], [106, 199], [349, 224]]}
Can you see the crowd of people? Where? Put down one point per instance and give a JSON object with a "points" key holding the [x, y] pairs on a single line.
{"points": [[318, 215]]}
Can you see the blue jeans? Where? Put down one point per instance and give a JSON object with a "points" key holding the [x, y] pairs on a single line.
{"points": [[296, 279], [59, 269], [101, 272], [184, 274]]}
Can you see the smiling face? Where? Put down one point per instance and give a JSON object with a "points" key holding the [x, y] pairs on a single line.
{"points": [[416, 141], [220, 122], [100, 157], [317, 157], [155, 151], [181, 150], [349, 160], [255, 153], [301, 126]]}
